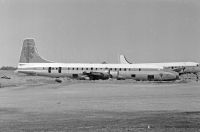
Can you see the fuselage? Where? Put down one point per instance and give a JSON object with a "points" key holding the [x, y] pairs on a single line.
{"points": [[118, 71]]}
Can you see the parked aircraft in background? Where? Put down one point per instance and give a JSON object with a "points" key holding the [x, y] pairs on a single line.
{"points": [[179, 67], [31, 63]]}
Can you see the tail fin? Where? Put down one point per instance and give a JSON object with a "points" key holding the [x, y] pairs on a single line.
{"points": [[29, 53], [123, 60]]}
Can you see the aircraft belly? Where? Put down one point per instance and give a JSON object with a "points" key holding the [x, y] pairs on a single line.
{"points": [[145, 75], [135, 75]]}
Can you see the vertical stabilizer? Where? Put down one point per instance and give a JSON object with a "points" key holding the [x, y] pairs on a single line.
{"points": [[123, 60], [29, 53]]}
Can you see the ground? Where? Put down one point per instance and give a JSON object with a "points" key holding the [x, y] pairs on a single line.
{"points": [[30, 103]]}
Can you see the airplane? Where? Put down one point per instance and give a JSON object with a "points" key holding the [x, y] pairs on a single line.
{"points": [[179, 67], [31, 63]]}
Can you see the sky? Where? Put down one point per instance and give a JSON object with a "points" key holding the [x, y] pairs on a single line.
{"points": [[93, 31]]}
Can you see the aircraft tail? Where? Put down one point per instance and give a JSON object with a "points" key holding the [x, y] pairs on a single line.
{"points": [[123, 60], [29, 53]]}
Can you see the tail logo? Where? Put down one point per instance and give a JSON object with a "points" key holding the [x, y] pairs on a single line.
{"points": [[28, 52]]}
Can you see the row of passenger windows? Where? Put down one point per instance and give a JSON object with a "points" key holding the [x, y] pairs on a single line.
{"points": [[112, 69]]}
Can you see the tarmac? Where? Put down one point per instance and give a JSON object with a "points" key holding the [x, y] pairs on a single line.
{"points": [[31, 103]]}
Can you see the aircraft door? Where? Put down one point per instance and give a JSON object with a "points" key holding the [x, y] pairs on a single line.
{"points": [[59, 69], [75, 75], [150, 77], [133, 75], [49, 70]]}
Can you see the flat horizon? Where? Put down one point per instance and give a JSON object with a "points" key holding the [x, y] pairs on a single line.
{"points": [[76, 31]]}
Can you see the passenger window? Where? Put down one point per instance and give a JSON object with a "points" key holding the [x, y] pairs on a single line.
{"points": [[124, 69], [139, 69]]}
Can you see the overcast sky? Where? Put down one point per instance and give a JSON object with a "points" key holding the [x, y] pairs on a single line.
{"points": [[100, 30]]}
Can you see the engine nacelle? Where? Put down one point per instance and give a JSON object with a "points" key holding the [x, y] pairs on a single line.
{"points": [[97, 75]]}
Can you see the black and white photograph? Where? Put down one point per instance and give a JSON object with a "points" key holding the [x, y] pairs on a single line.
{"points": [[99, 66]]}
